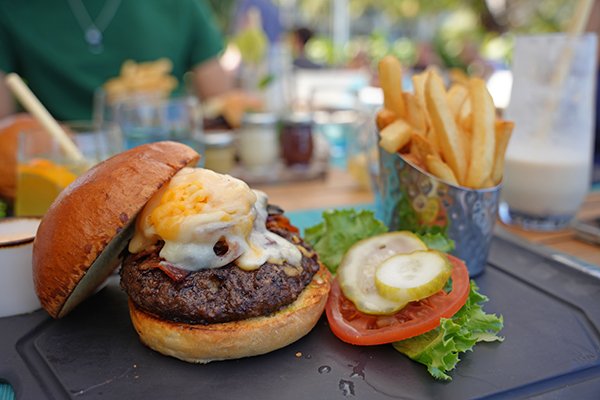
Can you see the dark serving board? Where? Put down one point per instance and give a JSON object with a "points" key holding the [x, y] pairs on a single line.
{"points": [[552, 349]]}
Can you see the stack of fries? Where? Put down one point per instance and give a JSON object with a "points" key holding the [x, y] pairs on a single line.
{"points": [[151, 77], [453, 134]]}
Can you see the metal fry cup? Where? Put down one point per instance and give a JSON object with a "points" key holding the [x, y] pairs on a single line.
{"points": [[408, 198]]}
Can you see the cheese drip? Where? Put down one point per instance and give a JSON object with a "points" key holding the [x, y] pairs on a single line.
{"points": [[199, 208]]}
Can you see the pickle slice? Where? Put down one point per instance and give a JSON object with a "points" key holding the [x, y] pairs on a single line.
{"points": [[412, 277], [356, 273]]}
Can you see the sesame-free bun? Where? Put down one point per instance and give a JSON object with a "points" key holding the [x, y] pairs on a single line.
{"points": [[81, 236], [199, 343]]}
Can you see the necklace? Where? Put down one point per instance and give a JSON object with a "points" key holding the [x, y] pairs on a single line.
{"points": [[93, 28]]}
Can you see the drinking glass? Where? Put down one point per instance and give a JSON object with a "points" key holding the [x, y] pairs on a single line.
{"points": [[548, 161], [337, 118], [44, 169], [151, 119]]}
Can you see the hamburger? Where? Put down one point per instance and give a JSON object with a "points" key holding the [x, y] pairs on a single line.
{"points": [[211, 270]]}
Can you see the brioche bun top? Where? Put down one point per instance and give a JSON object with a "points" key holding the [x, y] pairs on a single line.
{"points": [[79, 240]]}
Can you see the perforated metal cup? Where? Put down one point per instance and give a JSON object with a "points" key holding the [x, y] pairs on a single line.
{"points": [[407, 197]]}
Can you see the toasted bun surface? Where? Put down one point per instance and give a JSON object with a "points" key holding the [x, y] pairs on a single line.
{"points": [[232, 340], [95, 213]]}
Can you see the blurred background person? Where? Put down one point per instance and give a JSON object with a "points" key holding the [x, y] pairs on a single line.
{"points": [[270, 17], [66, 49], [300, 37]]}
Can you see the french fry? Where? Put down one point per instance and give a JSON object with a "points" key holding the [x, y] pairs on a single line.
{"points": [[466, 137], [415, 114], [390, 78], [464, 117], [151, 77], [128, 69], [456, 96], [414, 160], [160, 67], [503, 131], [452, 134], [385, 117], [433, 139], [488, 183], [421, 147], [458, 76], [444, 126], [482, 135], [418, 81], [440, 169], [395, 136]]}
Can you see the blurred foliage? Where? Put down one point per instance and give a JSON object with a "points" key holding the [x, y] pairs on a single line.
{"points": [[456, 27], [519, 15], [369, 48]]}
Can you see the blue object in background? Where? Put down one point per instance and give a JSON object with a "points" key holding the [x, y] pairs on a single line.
{"points": [[306, 218]]}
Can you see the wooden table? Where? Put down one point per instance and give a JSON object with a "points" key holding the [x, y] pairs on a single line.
{"points": [[339, 189], [565, 241]]}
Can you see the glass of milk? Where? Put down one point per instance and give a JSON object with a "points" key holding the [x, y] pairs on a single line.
{"points": [[549, 159]]}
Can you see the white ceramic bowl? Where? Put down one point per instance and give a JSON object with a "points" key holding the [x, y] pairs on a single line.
{"points": [[17, 295]]}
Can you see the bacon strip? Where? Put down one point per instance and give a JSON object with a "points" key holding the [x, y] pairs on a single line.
{"points": [[281, 222], [174, 273]]}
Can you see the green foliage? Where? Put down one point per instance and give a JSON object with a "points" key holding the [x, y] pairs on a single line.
{"points": [[321, 51], [252, 42], [455, 25]]}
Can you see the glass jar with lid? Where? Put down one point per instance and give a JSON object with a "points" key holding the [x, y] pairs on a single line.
{"points": [[219, 153], [258, 141], [297, 139]]}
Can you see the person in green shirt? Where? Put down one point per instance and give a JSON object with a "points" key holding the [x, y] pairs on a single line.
{"points": [[66, 49]]}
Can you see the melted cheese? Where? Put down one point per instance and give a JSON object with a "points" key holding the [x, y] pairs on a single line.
{"points": [[197, 209]]}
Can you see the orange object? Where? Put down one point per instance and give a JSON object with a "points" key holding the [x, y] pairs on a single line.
{"points": [[38, 183], [9, 134], [355, 327]]}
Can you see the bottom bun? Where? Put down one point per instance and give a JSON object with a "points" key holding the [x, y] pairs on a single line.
{"points": [[237, 339]]}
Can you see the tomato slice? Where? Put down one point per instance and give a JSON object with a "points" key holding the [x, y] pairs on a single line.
{"points": [[355, 327]]}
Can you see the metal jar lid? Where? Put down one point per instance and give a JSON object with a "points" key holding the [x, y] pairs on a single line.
{"points": [[262, 118], [219, 139], [298, 118]]}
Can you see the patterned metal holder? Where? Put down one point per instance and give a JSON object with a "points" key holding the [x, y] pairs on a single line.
{"points": [[407, 197]]}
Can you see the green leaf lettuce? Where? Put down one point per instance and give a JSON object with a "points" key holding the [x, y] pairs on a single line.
{"points": [[439, 349], [339, 230]]}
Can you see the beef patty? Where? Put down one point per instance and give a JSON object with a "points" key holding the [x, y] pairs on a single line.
{"points": [[219, 294]]}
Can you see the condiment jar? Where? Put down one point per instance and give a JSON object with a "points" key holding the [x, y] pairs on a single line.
{"points": [[258, 142], [297, 139], [17, 292], [219, 153]]}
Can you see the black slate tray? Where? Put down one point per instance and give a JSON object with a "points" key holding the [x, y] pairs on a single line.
{"points": [[552, 349]]}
